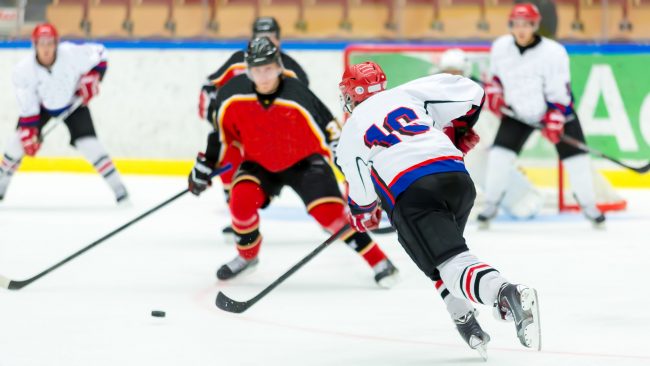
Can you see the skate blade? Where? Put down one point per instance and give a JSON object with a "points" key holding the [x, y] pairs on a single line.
{"points": [[532, 332], [124, 203], [480, 346], [598, 225], [389, 281]]}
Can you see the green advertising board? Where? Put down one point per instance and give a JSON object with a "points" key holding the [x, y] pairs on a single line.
{"points": [[612, 95]]}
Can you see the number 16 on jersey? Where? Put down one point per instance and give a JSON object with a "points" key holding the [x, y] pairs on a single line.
{"points": [[396, 123]]}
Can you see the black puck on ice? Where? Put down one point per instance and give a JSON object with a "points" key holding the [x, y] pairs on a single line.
{"points": [[158, 314]]}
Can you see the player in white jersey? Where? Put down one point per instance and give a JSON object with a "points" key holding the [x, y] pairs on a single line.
{"points": [[531, 89], [521, 199], [402, 149], [58, 80]]}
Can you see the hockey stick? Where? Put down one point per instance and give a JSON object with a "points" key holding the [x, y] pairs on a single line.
{"points": [[58, 119], [227, 304], [575, 143], [17, 285]]}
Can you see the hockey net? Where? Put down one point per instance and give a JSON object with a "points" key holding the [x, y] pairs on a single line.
{"points": [[538, 161]]}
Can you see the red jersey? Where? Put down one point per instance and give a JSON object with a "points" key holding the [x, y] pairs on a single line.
{"points": [[275, 131]]}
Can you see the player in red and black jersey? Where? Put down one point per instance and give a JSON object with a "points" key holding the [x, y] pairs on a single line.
{"points": [[285, 133], [262, 27]]}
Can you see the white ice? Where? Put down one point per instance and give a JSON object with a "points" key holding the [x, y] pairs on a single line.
{"points": [[95, 310]]}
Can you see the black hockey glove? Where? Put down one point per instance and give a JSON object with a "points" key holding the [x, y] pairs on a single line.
{"points": [[199, 178]]}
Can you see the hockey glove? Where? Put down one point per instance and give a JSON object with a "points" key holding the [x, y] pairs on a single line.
{"points": [[199, 178], [468, 141], [553, 125], [465, 139], [495, 99], [366, 218], [29, 137], [89, 86]]}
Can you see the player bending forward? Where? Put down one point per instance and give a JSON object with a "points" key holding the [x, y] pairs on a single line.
{"points": [[530, 88], [402, 149], [284, 131], [48, 83]]}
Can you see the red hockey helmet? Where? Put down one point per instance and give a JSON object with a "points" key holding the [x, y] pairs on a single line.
{"points": [[525, 11], [44, 30], [360, 82]]}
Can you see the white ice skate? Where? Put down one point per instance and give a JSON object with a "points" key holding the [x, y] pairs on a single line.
{"points": [[519, 303], [472, 333], [386, 274]]}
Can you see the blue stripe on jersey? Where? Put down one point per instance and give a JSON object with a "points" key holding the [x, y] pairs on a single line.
{"points": [[436, 167]]}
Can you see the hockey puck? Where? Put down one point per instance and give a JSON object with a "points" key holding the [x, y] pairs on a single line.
{"points": [[158, 314]]}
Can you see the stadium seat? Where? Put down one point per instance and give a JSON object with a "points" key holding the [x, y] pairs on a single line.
{"points": [[324, 18], [289, 13], [151, 18], [191, 18], [109, 18], [235, 17], [68, 16]]}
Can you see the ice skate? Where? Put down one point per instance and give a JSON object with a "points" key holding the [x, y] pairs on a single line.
{"points": [[485, 217], [520, 303], [122, 199], [471, 332], [386, 274], [235, 267], [594, 215], [228, 234]]}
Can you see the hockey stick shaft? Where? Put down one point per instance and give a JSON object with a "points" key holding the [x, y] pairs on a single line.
{"points": [[61, 117], [227, 304], [17, 285], [580, 145]]}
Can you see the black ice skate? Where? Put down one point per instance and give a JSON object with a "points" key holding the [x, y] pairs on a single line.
{"points": [[594, 215], [386, 274], [489, 212], [235, 267], [520, 304], [228, 234], [472, 333]]}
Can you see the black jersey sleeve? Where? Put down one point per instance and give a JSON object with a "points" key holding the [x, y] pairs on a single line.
{"points": [[216, 80], [292, 65]]}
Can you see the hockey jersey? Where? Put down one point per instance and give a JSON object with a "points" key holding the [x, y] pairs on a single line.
{"points": [[274, 131], [236, 66], [54, 88], [533, 80], [395, 137]]}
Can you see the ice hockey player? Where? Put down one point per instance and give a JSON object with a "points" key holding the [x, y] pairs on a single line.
{"points": [[235, 65], [521, 199], [51, 82], [285, 132], [402, 149], [531, 87]]}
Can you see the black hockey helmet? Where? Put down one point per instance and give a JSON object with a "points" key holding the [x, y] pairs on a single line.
{"points": [[261, 51], [266, 25]]}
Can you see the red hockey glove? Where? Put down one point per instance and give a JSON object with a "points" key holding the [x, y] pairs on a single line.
{"points": [[88, 86], [495, 99], [553, 125], [199, 179], [365, 220], [464, 142], [468, 141], [30, 140]]}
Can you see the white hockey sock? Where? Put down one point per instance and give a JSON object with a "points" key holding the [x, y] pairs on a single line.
{"points": [[10, 162], [580, 176], [471, 279], [94, 152], [499, 166], [457, 307]]}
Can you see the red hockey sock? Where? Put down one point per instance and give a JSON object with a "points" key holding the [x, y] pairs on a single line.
{"points": [[245, 199]]}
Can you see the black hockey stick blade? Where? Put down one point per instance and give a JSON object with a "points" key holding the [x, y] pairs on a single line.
{"points": [[571, 141], [383, 230], [225, 303], [17, 285]]}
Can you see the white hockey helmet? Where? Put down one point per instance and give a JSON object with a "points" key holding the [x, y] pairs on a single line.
{"points": [[456, 60]]}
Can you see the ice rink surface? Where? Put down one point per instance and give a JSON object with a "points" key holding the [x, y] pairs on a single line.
{"points": [[96, 309]]}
